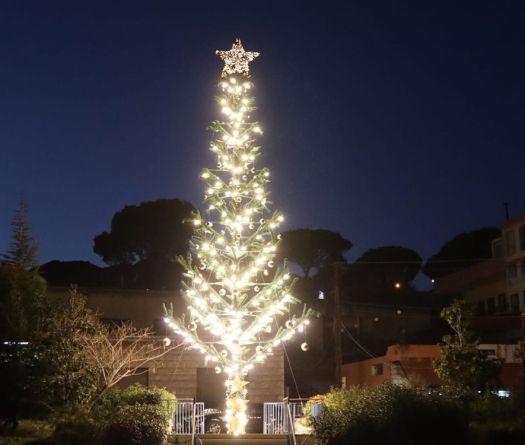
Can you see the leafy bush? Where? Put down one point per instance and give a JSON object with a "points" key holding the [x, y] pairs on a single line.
{"points": [[137, 425], [388, 413], [76, 429], [138, 394], [137, 415]]}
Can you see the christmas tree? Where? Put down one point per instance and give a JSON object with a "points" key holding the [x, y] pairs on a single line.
{"points": [[239, 303]]}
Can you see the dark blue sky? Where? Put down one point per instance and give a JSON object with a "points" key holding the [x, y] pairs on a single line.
{"points": [[391, 124]]}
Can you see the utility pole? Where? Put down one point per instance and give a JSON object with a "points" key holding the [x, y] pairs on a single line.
{"points": [[338, 353]]}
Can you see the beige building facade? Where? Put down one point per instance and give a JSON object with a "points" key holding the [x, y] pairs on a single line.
{"points": [[181, 371]]}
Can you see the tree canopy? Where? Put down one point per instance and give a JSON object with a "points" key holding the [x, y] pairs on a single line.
{"points": [[462, 251], [312, 249], [388, 265], [145, 241], [382, 274], [152, 230]]}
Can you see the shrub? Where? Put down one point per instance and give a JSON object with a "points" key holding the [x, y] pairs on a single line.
{"points": [[77, 429], [138, 394], [137, 425], [388, 414]]}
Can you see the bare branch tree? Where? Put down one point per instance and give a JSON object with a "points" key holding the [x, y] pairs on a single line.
{"points": [[123, 351]]}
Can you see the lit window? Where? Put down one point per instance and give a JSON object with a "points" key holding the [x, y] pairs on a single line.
{"points": [[377, 369]]}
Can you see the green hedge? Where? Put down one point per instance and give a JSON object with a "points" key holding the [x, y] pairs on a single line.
{"points": [[140, 395], [137, 425], [137, 415], [389, 414]]}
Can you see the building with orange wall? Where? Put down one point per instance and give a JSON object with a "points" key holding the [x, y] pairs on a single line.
{"points": [[412, 365]]}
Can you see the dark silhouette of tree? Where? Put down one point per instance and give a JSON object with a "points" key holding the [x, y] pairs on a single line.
{"points": [[388, 266], [22, 303], [22, 290], [23, 249], [312, 249], [382, 274], [462, 251], [65, 273], [145, 240]]}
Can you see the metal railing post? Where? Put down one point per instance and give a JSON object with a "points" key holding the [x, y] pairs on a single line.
{"points": [[292, 426], [193, 423]]}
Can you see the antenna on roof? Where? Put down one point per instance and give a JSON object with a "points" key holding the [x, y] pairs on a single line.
{"points": [[506, 205]]}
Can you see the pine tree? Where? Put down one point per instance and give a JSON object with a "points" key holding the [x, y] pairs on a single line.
{"points": [[461, 363], [23, 249], [238, 298]]}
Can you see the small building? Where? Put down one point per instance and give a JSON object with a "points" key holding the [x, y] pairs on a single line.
{"points": [[180, 371], [413, 365]]}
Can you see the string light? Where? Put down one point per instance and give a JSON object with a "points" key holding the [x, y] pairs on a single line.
{"points": [[234, 290]]}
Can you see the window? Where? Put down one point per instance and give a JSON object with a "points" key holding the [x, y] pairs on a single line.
{"points": [[488, 353], [522, 237], [480, 308], [510, 242], [377, 369], [514, 303], [497, 248], [512, 274], [491, 305], [502, 303], [523, 271]]}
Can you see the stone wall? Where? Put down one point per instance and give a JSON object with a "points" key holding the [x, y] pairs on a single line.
{"points": [[177, 372]]}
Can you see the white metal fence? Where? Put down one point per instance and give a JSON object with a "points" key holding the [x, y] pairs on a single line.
{"points": [[183, 422], [275, 416]]}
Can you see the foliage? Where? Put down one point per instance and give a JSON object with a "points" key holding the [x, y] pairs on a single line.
{"points": [[137, 425], [28, 431], [312, 249], [388, 414], [134, 415], [461, 251], [65, 273], [65, 377], [382, 267], [22, 303], [461, 363], [149, 236], [140, 395], [77, 427], [23, 249]]}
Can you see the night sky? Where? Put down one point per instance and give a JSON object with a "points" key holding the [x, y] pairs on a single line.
{"points": [[390, 124]]}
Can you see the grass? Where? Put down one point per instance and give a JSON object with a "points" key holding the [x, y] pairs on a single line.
{"points": [[28, 431]]}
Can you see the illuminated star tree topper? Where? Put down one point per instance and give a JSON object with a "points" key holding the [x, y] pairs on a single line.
{"points": [[236, 60], [240, 305]]}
